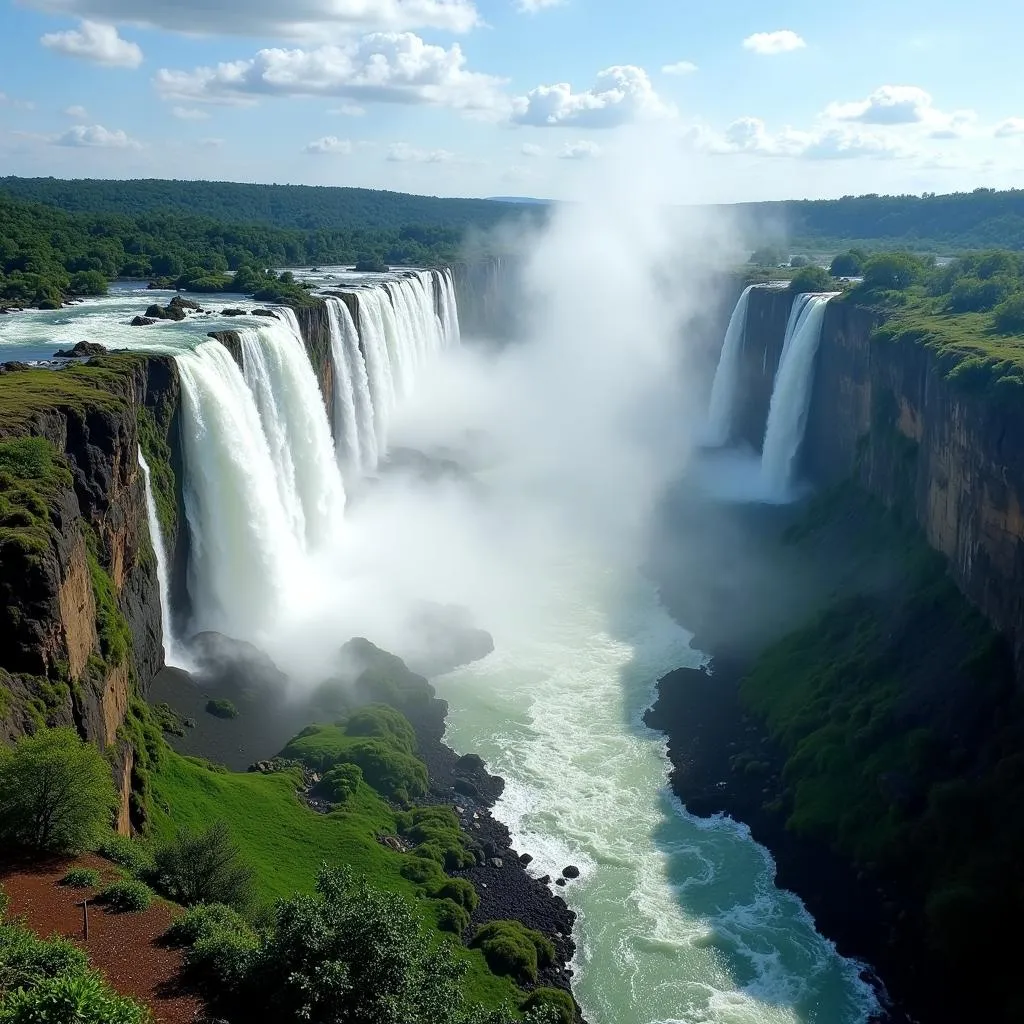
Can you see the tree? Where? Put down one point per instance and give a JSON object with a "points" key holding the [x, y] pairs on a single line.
{"points": [[204, 867], [766, 256], [1009, 315], [56, 793], [799, 261], [848, 264], [811, 279], [892, 271]]}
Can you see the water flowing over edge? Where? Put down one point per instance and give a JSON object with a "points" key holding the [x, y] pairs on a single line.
{"points": [[726, 382]]}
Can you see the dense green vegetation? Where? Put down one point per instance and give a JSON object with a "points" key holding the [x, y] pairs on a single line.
{"points": [[81, 878], [49, 981], [902, 734], [811, 279], [56, 793], [129, 896], [513, 949]]}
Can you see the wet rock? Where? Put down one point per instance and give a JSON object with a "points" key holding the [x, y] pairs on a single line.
{"points": [[232, 312], [142, 321], [546, 880], [561, 881], [169, 312], [265, 312], [82, 350], [571, 871], [13, 367], [496, 862], [178, 302]]}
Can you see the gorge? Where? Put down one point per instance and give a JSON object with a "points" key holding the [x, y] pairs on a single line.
{"points": [[248, 484]]}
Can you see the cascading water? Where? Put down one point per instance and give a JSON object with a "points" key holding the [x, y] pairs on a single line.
{"points": [[791, 395], [163, 577], [354, 429], [726, 383]]}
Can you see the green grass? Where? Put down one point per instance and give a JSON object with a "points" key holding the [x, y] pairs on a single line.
{"points": [[32, 472], [287, 843]]}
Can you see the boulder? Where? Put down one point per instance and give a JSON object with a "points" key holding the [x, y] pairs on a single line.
{"points": [[496, 862], [561, 881], [142, 321], [232, 312], [265, 312], [180, 303], [13, 367], [524, 859], [165, 313], [82, 350], [571, 871]]}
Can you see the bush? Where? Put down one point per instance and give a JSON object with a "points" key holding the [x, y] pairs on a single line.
{"points": [[848, 264], [977, 295], [811, 279], [452, 917], [799, 261], [423, 870], [556, 1000], [82, 998], [391, 772], [221, 959], [378, 721], [26, 959], [56, 793], [458, 890], [1009, 315], [203, 919], [341, 782], [893, 271], [204, 867], [511, 948], [438, 836], [766, 256], [81, 878], [221, 709], [128, 897], [129, 853]]}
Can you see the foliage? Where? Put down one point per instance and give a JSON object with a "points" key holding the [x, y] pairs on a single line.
{"points": [[556, 999], [202, 919], [221, 709], [126, 897], [31, 472], [341, 782], [26, 960], [811, 279], [366, 264], [81, 878], [848, 264], [438, 836], [114, 632], [892, 271], [56, 793], [513, 949], [378, 721], [766, 256], [129, 852], [82, 998], [797, 262], [204, 867], [452, 917], [1009, 315], [458, 890]]}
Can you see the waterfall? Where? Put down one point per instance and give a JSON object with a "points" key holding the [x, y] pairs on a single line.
{"points": [[354, 426], [726, 383], [450, 310], [156, 539], [791, 394]]}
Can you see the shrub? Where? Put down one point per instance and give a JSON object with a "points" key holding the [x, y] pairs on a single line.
{"points": [[811, 279], [893, 271], [203, 919], [204, 867], [439, 837], [128, 897], [1009, 315], [26, 959], [81, 878], [82, 998], [378, 721], [451, 917], [221, 959], [511, 948], [341, 782], [221, 709], [423, 870], [799, 261], [556, 1000], [458, 890], [978, 295], [131, 854], [847, 264], [394, 774], [56, 793]]}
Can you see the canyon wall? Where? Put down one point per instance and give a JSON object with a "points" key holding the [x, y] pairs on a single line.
{"points": [[939, 448], [80, 628]]}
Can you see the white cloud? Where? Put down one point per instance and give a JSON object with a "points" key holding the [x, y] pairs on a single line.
{"points": [[620, 95], [888, 105], [681, 67], [95, 136], [531, 149], [771, 43], [189, 114], [329, 144], [581, 150], [844, 144], [1010, 127], [98, 43], [379, 68], [348, 110], [306, 20], [402, 152], [532, 6], [77, 113]]}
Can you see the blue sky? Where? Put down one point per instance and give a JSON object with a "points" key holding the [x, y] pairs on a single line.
{"points": [[517, 97]]}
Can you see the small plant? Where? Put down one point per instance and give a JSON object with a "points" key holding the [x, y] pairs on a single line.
{"points": [[555, 1000], [221, 709], [201, 920], [81, 878], [340, 784], [131, 854], [451, 917], [127, 897], [458, 890], [83, 997], [204, 867], [511, 948]]}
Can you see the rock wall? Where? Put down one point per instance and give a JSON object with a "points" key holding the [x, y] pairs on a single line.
{"points": [[888, 415], [80, 626]]}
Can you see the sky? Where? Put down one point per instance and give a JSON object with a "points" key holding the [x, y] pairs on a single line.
{"points": [[517, 97]]}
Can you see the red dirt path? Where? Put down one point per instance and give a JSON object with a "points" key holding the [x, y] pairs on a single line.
{"points": [[123, 946]]}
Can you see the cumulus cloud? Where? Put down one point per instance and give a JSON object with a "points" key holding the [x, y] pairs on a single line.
{"points": [[189, 114], [1010, 127], [329, 144], [581, 150], [771, 43], [319, 20], [95, 136], [890, 104], [78, 113], [402, 152], [621, 95], [531, 149], [98, 43], [532, 6], [384, 67], [681, 67]]}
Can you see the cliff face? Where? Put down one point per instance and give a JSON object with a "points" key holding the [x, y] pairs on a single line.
{"points": [[885, 414], [80, 630], [316, 333]]}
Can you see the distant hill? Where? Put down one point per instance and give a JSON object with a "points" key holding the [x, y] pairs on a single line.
{"points": [[519, 199]]}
